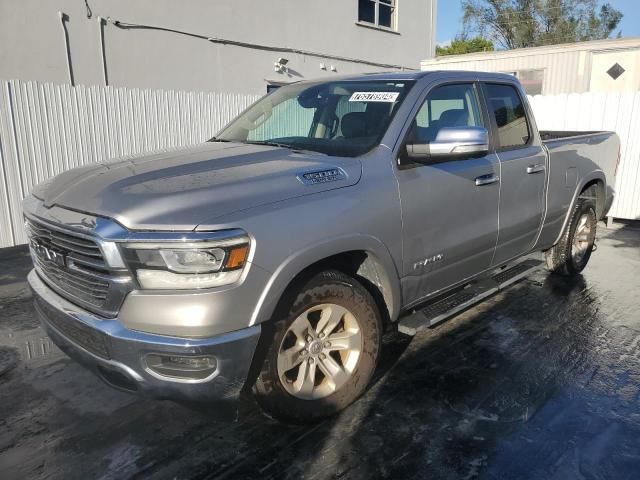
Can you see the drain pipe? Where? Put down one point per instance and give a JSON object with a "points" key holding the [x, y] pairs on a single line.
{"points": [[102, 55], [62, 16]]}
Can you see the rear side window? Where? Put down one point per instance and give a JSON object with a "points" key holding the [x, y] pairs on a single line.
{"points": [[507, 108]]}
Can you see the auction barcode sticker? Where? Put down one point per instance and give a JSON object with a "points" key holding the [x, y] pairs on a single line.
{"points": [[374, 97]]}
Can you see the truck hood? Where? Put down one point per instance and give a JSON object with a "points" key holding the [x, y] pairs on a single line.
{"points": [[179, 189]]}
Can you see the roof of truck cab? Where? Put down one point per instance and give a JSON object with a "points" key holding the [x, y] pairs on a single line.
{"points": [[412, 76]]}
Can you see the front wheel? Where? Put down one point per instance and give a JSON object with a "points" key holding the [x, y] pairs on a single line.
{"points": [[571, 254], [323, 353]]}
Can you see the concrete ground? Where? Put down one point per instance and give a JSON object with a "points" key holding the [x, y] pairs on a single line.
{"points": [[540, 382]]}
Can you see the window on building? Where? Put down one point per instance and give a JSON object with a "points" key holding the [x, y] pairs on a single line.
{"points": [[531, 80], [507, 108], [377, 12]]}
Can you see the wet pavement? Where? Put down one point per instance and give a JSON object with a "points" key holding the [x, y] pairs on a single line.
{"points": [[539, 382]]}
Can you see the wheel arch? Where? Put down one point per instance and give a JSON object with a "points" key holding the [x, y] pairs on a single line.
{"points": [[362, 256], [597, 186], [595, 178]]}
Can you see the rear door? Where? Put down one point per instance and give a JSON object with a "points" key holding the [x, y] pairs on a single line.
{"points": [[450, 220], [522, 171]]}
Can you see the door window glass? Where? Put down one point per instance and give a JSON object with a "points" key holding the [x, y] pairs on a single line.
{"points": [[446, 106], [507, 108]]}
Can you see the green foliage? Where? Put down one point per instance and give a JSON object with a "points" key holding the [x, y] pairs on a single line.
{"points": [[462, 45], [531, 23]]}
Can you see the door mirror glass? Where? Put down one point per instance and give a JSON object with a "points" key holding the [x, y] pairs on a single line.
{"points": [[451, 142]]}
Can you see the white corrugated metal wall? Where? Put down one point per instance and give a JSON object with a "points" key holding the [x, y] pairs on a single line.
{"points": [[568, 68], [618, 112], [46, 129], [564, 71]]}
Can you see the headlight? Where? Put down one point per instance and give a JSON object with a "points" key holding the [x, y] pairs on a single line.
{"points": [[187, 265]]}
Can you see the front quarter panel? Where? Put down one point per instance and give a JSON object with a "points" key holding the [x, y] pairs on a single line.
{"points": [[292, 235]]}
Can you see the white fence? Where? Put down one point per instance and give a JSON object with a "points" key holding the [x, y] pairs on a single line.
{"points": [[46, 129], [618, 112]]}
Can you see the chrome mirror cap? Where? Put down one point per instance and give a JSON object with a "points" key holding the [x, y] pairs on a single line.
{"points": [[452, 141]]}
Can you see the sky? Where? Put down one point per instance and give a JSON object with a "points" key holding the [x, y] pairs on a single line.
{"points": [[449, 21]]}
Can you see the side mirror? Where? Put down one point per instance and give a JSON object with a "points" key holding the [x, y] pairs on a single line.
{"points": [[451, 142]]}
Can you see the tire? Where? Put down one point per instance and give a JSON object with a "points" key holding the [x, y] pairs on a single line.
{"points": [[305, 392], [571, 255]]}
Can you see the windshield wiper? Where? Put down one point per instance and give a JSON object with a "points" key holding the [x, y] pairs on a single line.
{"points": [[282, 145], [267, 143]]}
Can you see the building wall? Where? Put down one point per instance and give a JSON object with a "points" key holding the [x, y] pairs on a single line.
{"points": [[33, 41], [569, 68], [602, 61]]}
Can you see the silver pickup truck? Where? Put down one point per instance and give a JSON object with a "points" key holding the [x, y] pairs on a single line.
{"points": [[271, 258]]}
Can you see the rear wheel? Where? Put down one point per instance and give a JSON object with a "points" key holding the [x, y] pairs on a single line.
{"points": [[571, 254], [323, 353]]}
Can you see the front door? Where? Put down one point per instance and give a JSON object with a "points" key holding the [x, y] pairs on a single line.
{"points": [[450, 220], [522, 172]]}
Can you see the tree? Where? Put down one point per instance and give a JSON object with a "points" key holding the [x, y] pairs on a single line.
{"points": [[463, 45], [531, 23]]}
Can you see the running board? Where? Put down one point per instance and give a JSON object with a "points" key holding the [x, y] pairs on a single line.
{"points": [[439, 310]]}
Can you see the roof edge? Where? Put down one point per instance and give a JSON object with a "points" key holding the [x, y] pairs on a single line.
{"points": [[592, 45]]}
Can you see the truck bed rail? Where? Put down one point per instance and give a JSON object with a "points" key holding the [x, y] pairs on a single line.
{"points": [[546, 135]]}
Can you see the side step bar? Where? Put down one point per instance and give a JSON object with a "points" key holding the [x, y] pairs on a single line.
{"points": [[439, 310]]}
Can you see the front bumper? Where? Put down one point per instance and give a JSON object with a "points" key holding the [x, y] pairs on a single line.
{"points": [[117, 354]]}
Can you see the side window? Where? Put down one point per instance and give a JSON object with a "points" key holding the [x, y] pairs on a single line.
{"points": [[446, 106], [507, 108]]}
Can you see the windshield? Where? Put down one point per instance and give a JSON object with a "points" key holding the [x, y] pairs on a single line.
{"points": [[342, 118]]}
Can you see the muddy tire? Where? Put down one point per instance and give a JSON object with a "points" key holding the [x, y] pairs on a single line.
{"points": [[323, 352], [571, 254]]}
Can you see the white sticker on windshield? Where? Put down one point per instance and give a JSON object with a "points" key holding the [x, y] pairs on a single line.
{"points": [[374, 97]]}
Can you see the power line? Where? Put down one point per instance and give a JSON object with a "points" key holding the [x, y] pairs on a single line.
{"points": [[255, 46]]}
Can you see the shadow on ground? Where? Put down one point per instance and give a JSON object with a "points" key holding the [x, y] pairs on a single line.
{"points": [[540, 381]]}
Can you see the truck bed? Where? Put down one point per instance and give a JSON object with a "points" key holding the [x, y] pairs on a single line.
{"points": [[575, 155]]}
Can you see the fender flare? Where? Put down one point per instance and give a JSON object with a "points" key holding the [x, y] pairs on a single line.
{"points": [[302, 259], [594, 175]]}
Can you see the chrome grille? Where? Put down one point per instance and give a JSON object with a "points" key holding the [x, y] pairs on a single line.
{"points": [[76, 283], [69, 242], [73, 265]]}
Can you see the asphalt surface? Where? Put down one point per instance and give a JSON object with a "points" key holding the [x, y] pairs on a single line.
{"points": [[539, 382]]}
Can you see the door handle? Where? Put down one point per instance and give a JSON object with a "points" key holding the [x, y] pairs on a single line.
{"points": [[487, 179], [539, 167]]}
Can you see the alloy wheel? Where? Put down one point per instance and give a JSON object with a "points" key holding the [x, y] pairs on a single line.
{"points": [[319, 351], [582, 239]]}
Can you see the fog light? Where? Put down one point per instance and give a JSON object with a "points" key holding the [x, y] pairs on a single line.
{"points": [[182, 367]]}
